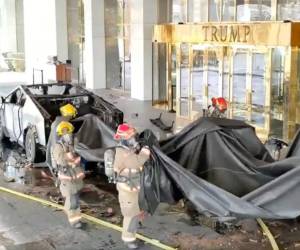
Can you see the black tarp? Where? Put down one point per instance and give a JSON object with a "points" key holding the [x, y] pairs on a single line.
{"points": [[223, 169], [92, 138], [219, 165]]}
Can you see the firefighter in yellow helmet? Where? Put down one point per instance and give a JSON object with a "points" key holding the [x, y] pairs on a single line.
{"points": [[68, 112], [70, 172], [128, 164]]}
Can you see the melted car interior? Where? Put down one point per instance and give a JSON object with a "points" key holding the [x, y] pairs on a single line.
{"points": [[51, 97]]}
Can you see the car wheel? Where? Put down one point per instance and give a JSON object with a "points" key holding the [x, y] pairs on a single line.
{"points": [[30, 145]]}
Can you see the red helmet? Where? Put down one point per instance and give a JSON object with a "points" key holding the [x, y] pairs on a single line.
{"points": [[124, 132], [220, 103]]}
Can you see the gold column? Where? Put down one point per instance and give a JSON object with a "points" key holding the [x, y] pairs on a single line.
{"points": [[205, 77], [220, 57], [268, 85], [178, 80], [169, 75], [249, 84], [291, 93], [190, 98], [298, 88], [230, 85]]}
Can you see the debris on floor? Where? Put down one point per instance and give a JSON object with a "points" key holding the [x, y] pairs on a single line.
{"points": [[18, 169], [158, 122], [99, 199]]}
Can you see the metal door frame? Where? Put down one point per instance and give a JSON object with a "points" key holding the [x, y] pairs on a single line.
{"points": [[219, 54], [267, 52]]}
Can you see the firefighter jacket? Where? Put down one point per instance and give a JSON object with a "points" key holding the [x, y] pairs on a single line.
{"points": [[128, 164], [53, 138], [70, 175]]}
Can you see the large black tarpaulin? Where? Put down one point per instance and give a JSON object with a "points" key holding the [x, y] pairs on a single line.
{"points": [[92, 138], [219, 165], [224, 170]]}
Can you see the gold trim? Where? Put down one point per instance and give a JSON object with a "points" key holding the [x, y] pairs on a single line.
{"points": [[228, 33], [291, 93], [169, 76]]}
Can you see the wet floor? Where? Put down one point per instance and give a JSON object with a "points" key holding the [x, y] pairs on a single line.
{"points": [[15, 166], [98, 198], [170, 224]]}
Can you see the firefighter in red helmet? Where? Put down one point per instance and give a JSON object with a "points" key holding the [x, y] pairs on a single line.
{"points": [[218, 107], [128, 164]]}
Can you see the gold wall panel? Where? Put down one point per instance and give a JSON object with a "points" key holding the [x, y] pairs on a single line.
{"points": [[254, 33]]}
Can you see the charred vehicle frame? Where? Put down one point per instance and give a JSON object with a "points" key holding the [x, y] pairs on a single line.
{"points": [[29, 110]]}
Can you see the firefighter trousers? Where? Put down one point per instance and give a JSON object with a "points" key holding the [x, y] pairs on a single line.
{"points": [[72, 204], [72, 208], [130, 210]]}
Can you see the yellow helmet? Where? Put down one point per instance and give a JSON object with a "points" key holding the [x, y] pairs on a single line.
{"points": [[68, 110], [64, 127]]}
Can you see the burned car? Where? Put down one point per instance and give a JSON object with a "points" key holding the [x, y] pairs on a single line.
{"points": [[29, 110]]}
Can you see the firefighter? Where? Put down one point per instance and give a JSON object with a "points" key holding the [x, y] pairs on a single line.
{"points": [[128, 164], [218, 107], [68, 112], [70, 173]]}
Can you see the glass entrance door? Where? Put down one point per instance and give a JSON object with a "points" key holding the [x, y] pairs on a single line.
{"points": [[213, 74], [251, 87], [239, 79], [198, 77], [184, 82], [241, 75], [258, 87], [261, 90]]}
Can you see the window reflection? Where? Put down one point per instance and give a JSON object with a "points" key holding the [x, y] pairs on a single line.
{"points": [[277, 77], [184, 71], [258, 79], [224, 10], [226, 69], [198, 79], [239, 78], [159, 91], [179, 11], [198, 11], [288, 10], [213, 74], [173, 75], [253, 10], [214, 10], [228, 10]]}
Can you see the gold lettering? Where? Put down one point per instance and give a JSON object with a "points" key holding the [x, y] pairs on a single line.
{"points": [[205, 28], [234, 34], [214, 31], [224, 33], [246, 33], [223, 36]]}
